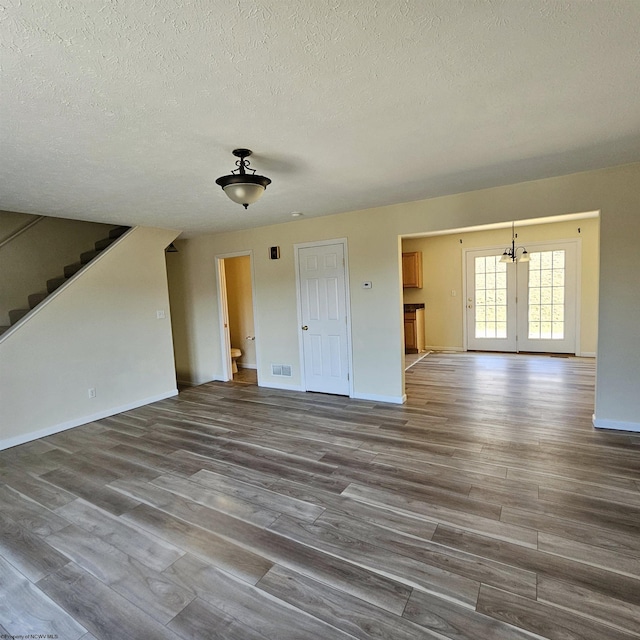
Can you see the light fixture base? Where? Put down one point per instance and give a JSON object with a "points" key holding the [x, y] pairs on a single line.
{"points": [[242, 153]]}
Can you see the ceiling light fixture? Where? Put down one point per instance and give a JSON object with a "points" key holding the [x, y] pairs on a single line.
{"points": [[242, 187], [511, 253]]}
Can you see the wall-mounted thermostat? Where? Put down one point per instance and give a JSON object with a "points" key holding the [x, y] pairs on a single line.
{"points": [[274, 253]]}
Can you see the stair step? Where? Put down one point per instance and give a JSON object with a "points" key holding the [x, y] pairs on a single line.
{"points": [[88, 256], [72, 269], [104, 243], [118, 231], [36, 298], [17, 314], [54, 283]]}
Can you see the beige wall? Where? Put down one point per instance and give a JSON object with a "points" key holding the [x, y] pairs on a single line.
{"points": [[196, 324], [240, 304], [39, 254], [12, 221], [99, 331], [442, 258], [374, 254]]}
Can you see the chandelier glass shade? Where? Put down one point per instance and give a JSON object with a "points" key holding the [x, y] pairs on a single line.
{"points": [[241, 186]]}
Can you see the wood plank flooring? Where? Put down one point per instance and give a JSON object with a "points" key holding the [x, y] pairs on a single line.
{"points": [[486, 508]]}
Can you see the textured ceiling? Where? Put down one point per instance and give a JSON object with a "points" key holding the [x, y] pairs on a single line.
{"points": [[126, 111]]}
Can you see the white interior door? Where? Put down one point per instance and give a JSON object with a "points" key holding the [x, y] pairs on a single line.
{"points": [[491, 302], [323, 303], [523, 306]]}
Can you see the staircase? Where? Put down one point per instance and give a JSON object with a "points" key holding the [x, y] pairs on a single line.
{"points": [[69, 271]]}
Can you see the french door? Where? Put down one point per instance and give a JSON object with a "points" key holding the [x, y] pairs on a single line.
{"points": [[491, 302], [522, 306]]}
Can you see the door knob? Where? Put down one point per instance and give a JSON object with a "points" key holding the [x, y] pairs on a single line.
{"points": [[305, 327]]}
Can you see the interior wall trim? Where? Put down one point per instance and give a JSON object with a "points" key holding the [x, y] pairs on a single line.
{"points": [[76, 422], [21, 230], [615, 425], [285, 387], [187, 383], [377, 398], [69, 283]]}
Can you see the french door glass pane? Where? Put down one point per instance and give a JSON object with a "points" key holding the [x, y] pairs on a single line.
{"points": [[546, 295], [491, 297]]}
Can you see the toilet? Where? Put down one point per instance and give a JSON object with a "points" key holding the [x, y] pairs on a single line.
{"points": [[235, 353]]}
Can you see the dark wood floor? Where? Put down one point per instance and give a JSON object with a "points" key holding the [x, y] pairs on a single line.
{"points": [[487, 507]]}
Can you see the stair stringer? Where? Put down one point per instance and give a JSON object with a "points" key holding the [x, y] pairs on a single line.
{"points": [[39, 252], [49, 296], [99, 331]]}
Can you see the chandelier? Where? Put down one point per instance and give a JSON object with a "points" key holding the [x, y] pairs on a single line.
{"points": [[242, 187], [511, 253]]}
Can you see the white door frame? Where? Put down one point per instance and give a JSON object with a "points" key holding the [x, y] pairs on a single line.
{"points": [[512, 310], [576, 243], [296, 249], [465, 333], [223, 313], [534, 245]]}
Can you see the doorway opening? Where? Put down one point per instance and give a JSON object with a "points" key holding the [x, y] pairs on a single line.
{"points": [[236, 303], [555, 295]]}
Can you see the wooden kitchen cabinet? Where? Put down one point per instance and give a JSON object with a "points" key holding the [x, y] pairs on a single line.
{"points": [[412, 270], [414, 341]]}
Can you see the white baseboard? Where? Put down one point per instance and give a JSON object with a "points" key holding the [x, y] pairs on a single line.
{"points": [[616, 425], [76, 422], [241, 365], [281, 385], [586, 354], [357, 396], [440, 348], [197, 382], [376, 398]]}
